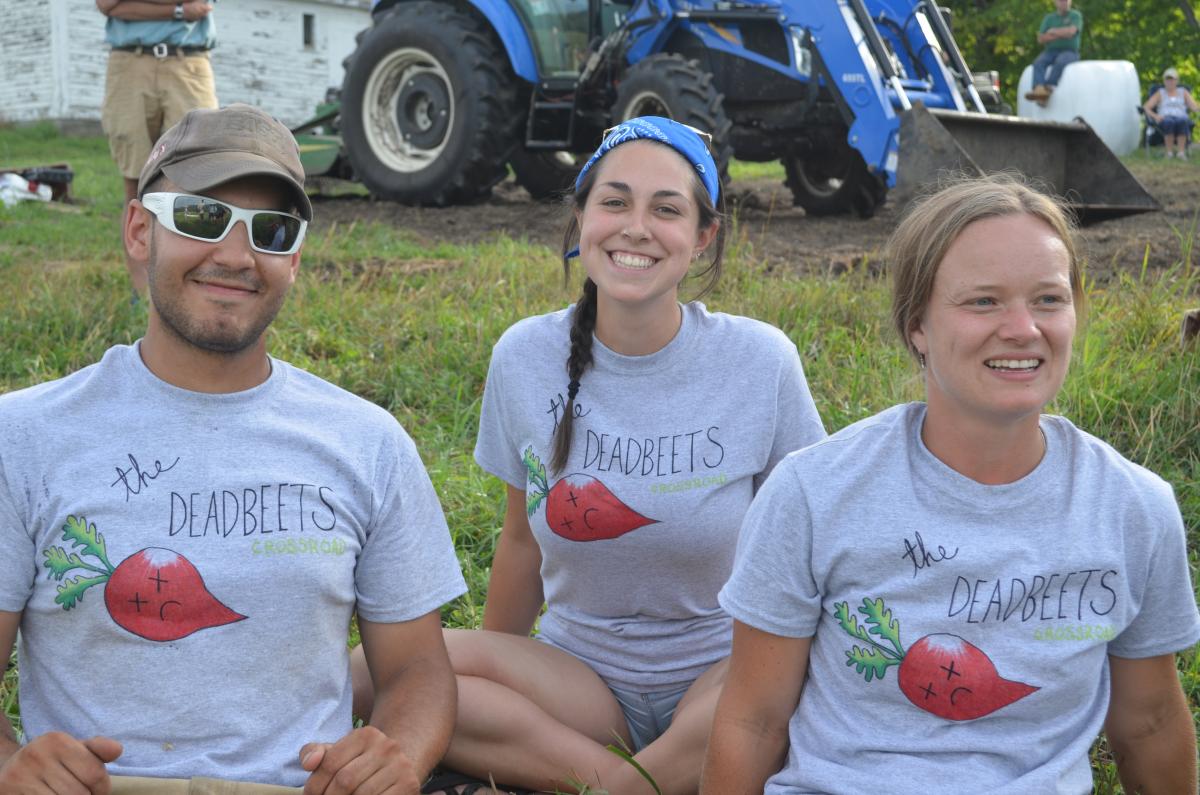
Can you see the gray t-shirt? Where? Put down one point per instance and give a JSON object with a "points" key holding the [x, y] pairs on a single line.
{"points": [[962, 631], [187, 564], [637, 533]]}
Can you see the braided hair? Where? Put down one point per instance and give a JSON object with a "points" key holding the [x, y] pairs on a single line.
{"points": [[583, 324]]}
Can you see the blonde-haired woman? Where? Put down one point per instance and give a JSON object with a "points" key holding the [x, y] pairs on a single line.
{"points": [[974, 589]]}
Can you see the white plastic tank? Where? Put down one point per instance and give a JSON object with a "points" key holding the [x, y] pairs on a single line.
{"points": [[1105, 93]]}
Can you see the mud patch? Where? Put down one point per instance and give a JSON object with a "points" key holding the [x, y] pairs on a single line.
{"points": [[767, 228]]}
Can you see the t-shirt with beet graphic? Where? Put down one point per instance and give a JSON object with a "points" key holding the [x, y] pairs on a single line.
{"points": [[638, 529], [155, 593], [579, 507], [186, 565], [960, 631], [941, 674]]}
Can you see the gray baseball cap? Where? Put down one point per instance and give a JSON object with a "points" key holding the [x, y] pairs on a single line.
{"points": [[209, 147]]}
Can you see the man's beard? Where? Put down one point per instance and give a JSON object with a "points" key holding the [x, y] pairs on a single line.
{"points": [[212, 337]]}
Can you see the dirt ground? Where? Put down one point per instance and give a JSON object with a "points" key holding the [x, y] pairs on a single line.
{"points": [[782, 236]]}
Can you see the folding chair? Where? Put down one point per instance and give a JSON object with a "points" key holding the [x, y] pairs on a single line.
{"points": [[1152, 135]]}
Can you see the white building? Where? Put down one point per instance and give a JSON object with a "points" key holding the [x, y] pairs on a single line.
{"points": [[281, 55]]}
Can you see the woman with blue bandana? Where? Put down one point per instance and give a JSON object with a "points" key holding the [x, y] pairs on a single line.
{"points": [[632, 431]]}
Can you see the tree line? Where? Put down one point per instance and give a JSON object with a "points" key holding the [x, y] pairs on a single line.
{"points": [[1153, 34]]}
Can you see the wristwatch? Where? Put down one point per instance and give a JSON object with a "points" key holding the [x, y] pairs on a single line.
{"points": [[179, 11]]}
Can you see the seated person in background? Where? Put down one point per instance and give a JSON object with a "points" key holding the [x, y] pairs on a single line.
{"points": [[975, 589], [1060, 32], [187, 526], [1169, 107]]}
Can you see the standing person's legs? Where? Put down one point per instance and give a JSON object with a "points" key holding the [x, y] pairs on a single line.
{"points": [[128, 111], [185, 82], [143, 97]]}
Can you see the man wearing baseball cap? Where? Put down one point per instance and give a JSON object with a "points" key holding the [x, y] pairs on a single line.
{"points": [[188, 525]]}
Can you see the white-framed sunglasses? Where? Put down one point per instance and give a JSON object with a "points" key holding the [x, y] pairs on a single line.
{"points": [[706, 137], [209, 220]]}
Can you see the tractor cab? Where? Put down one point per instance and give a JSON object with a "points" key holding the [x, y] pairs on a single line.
{"points": [[559, 31], [569, 39]]}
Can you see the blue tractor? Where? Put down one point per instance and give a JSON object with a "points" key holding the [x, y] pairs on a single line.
{"points": [[855, 97]]}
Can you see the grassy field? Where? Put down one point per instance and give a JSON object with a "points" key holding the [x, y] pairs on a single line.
{"points": [[411, 328]]}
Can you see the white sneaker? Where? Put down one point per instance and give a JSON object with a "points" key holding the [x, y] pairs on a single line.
{"points": [[1182, 155]]}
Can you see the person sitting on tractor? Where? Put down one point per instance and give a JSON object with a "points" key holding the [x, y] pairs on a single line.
{"points": [[1060, 33]]}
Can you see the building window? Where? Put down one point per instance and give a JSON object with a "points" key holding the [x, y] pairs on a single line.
{"points": [[310, 36]]}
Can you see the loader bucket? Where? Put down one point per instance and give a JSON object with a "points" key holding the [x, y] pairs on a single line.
{"points": [[1067, 157]]}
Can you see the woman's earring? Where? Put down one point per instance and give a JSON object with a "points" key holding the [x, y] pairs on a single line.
{"points": [[921, 358]]}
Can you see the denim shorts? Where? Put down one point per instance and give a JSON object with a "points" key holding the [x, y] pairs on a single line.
{"points": [[1172, 125], [648, 715]]}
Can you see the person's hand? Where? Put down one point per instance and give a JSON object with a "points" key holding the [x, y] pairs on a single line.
{"points": [[364, 762], [194, 10], [58, 764]]}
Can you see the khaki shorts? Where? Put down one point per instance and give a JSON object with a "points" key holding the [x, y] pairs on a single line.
{"points": [[136, 785], [144, 96]]}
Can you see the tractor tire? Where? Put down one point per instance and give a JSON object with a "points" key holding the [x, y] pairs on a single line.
{"points": [[834, 186], [429, 110], [670, 85], [546, 175]]}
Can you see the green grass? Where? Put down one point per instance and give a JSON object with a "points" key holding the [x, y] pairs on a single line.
{"points": [[741, 169], [411, 328]]}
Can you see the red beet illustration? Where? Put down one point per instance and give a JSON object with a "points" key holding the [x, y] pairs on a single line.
{"points": [[159, 594], [155, 593], [942, 674], [579, 507], [953, 679]]}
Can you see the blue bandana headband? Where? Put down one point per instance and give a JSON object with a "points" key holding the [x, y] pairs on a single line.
{"points": [[683, 139]]}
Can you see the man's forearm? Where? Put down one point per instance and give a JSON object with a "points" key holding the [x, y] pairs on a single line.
{"points": [[138, 10], [1163, 762], [417, 709]]}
